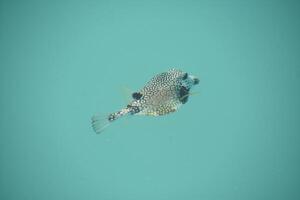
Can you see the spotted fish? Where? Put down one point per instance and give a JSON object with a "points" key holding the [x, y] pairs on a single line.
{"points": [[162, 95]]}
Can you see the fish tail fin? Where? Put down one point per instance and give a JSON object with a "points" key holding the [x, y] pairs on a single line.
{"points": [[100, 122]]}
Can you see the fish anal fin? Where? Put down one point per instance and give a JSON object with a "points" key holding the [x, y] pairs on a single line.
{"points": [[161, 110]]}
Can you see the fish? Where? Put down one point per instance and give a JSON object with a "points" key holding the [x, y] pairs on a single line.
{"points": [[165, 93]]}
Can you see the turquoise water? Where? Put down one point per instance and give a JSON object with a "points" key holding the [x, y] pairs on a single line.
{"points": [[63, 61]]}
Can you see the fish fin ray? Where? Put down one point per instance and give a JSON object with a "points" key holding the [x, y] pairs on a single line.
{"points": [[100, 122], [126, 94]]}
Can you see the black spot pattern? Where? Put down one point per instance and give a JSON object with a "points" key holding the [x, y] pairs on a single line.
{"points": [[137, 95], [183, 94], [163, 94], [185, 76], [133, 109], [112, 117]]}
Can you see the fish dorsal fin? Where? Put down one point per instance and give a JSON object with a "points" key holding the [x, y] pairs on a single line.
{"points": [[126, 93], [137, 95]]}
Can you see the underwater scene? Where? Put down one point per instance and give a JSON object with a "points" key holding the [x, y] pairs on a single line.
{"points": [[149, 100]]}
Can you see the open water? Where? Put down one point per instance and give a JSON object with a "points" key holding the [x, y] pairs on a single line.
{"points": [[63, 61]]}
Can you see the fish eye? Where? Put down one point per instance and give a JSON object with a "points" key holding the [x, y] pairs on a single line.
{"points": [[185, 76]]}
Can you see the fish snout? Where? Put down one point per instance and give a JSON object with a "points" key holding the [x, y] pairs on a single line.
{"points": [[196, 81]]}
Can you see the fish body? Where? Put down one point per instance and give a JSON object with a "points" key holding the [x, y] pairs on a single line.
{"points": [[163, 94]]}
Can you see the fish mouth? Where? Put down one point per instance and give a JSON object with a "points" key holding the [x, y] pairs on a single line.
{"points": [[196, 81]]}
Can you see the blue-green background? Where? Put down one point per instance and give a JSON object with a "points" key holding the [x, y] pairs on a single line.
{"points": [[63, 61]]}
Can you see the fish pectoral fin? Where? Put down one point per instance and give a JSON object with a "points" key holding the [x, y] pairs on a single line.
{"points": [[185, 97], [151, 114], [194, 93], [189, 94]]}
